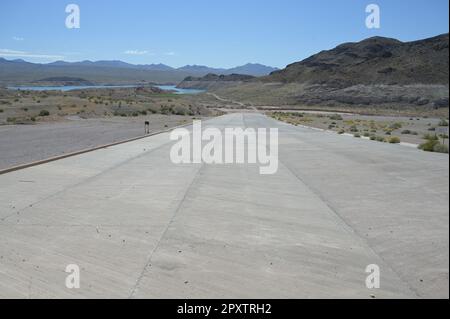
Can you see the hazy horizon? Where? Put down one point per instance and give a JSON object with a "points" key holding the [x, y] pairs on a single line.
{"points": [[143, 32]]}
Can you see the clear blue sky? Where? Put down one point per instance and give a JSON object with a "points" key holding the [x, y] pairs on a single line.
{"points": [[208, 32]]}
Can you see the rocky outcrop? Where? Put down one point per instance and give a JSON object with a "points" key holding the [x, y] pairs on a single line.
{"points": [[211, 81]]}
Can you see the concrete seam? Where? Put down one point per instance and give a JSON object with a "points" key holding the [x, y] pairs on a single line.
{"points": [[87, 180], [177, 209], [80, 152], [350, 229]]}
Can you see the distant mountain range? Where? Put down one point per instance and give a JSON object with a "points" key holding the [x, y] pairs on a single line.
{"points": [[114, 64], [254, 69], [19, 71]]}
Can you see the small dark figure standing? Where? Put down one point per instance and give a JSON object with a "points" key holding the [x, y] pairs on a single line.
{"points": [[147, 127]]}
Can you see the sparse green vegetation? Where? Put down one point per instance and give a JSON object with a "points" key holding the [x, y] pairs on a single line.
{"points": [[44, 113], [394, 140], [179, 110], [433, 144], [336, 117], [395, 126], [409, 132], [440, 148], [443, 123], [382, 129]]}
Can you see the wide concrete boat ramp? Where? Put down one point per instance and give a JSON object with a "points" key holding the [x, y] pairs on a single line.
{"points": [[139, 226]]}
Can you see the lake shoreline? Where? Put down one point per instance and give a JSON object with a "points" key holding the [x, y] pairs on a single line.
{"points": [[66, 88]]}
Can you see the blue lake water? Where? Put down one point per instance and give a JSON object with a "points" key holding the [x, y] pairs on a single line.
{"points": [[179, 91], [87, 87]]}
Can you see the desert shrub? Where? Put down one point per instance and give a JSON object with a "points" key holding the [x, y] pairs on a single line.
{"points": [[428, 146], [395, 126], [1, 111], [394, 140], [44, 113], [357, 135], [443, 123], [440, 148], [366, 134], [353, 128], [409, 132], [166, 110], [153, 109], [430, 142], [430, 137], [379, 139], [341, 132], [336, 117], [11, 120], [432, 129], [179, 110], [373, 137]]}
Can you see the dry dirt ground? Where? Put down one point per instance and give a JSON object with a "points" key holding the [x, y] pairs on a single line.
{"points": [[20, 144], [28, 107], [407, 129]]}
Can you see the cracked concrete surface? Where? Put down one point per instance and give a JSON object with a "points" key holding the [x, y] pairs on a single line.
{"points": [[139, 226]]}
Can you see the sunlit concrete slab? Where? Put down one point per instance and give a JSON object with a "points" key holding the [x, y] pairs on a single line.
{"points": [[140, 226]]}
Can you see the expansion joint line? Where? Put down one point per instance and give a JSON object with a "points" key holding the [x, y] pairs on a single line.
{"points": [[175, 213], [348, 228]]}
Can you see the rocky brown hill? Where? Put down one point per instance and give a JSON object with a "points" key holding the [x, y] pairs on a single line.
{"points": [[211, 81], [375, 60], [374, 74]]}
